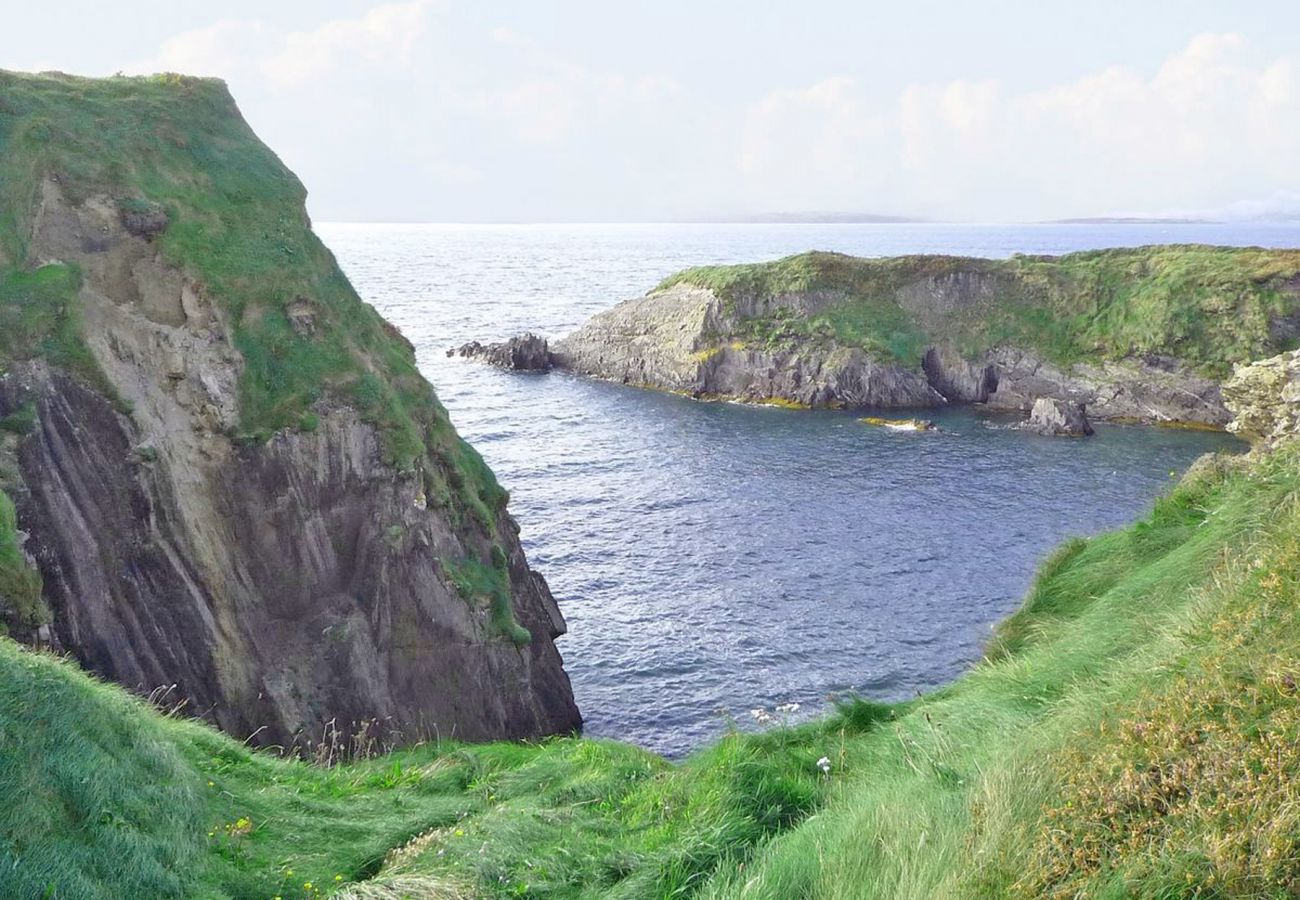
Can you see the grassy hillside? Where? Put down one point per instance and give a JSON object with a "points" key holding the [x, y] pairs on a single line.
{"points": [[1209, 306], [1134, 731]]}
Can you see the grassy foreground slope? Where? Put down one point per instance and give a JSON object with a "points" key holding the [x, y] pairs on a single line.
{"points": [[1134, 731], [1207, 306]]}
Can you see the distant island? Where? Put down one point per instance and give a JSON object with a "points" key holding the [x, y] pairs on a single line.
{"points": [[811, 218], [1130, 220]]}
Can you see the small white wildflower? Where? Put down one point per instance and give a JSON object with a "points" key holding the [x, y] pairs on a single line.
{"points": [[761, 716], [787, 708], [825, 765]]}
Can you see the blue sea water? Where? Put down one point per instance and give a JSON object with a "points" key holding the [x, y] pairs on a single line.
{"points": [[712, 558]]}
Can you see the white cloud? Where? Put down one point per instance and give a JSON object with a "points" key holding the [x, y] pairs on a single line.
{"points": [[490, 122], [802, 149], [1211, 124], [383, 38], [219, 50]]}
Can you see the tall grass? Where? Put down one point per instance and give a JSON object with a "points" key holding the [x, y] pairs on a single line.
{"points": [[21, 603]]}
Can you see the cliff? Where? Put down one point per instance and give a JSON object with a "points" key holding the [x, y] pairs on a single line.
{"points": [[229, 476], [1145, 335]]}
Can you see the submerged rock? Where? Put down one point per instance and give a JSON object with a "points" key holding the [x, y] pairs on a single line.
{"points": [[524, 353], [900, 424], [1053, 417]]}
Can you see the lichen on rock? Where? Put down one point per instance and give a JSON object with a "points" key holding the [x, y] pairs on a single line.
{"points": [[1264, 398]]}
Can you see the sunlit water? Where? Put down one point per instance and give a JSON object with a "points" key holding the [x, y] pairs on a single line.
{"points": [[712, 558]]}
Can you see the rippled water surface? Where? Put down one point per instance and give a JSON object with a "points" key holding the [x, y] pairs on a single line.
{"points": [[712, 557]]}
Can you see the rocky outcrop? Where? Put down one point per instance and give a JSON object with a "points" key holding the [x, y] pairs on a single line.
{"points": [[525, 353], [668, 341], [1265, 399], [1151, 390], [277, 584], [1057, 418], [687, 340]]}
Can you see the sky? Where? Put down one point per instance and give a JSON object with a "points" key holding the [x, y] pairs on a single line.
{"points": [[517, 111]]}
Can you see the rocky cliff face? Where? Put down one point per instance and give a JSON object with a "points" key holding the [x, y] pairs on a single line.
{"points": [[1265, 399], [824, 330], [358, 567], [649, 342]]}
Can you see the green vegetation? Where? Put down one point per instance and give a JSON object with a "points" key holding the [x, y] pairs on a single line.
{"points": [[1133, 731], [474, 581], [21, 603], [40, 317], [100, 796], [1208, 306]]}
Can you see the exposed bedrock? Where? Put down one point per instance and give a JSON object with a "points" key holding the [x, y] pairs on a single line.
{"points": [[686, 340], [1057, 418], [279, 584], [524, 353], [1265, 399]]}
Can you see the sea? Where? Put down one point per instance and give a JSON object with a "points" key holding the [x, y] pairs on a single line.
{"points": [[714, 559]]}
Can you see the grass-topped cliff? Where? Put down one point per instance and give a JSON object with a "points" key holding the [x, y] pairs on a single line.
{"points": [[1207, 306], [1133, 731], [1137, 335], [176, 157], [215, 452]]}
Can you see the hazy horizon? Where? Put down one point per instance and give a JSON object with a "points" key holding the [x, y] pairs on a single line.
{"points": [[435, 111]]}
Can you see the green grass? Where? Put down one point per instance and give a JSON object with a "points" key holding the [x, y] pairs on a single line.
{"points": [[1133, 731], [40, 318], [100, 796], [21, 604], [1208, 306], [476, 582]]}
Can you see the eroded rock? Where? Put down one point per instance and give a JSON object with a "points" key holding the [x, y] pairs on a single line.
{"points": [[279, 585], [524, 353], [1058, 418], [142, 218]]}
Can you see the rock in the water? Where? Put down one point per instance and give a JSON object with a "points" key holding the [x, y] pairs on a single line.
{"points": [[1054, 417], [754, 335], [523, 353], [900, 424]]}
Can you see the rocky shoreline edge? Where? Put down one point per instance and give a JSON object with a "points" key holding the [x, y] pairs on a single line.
{"points": [[1044, 414]]}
